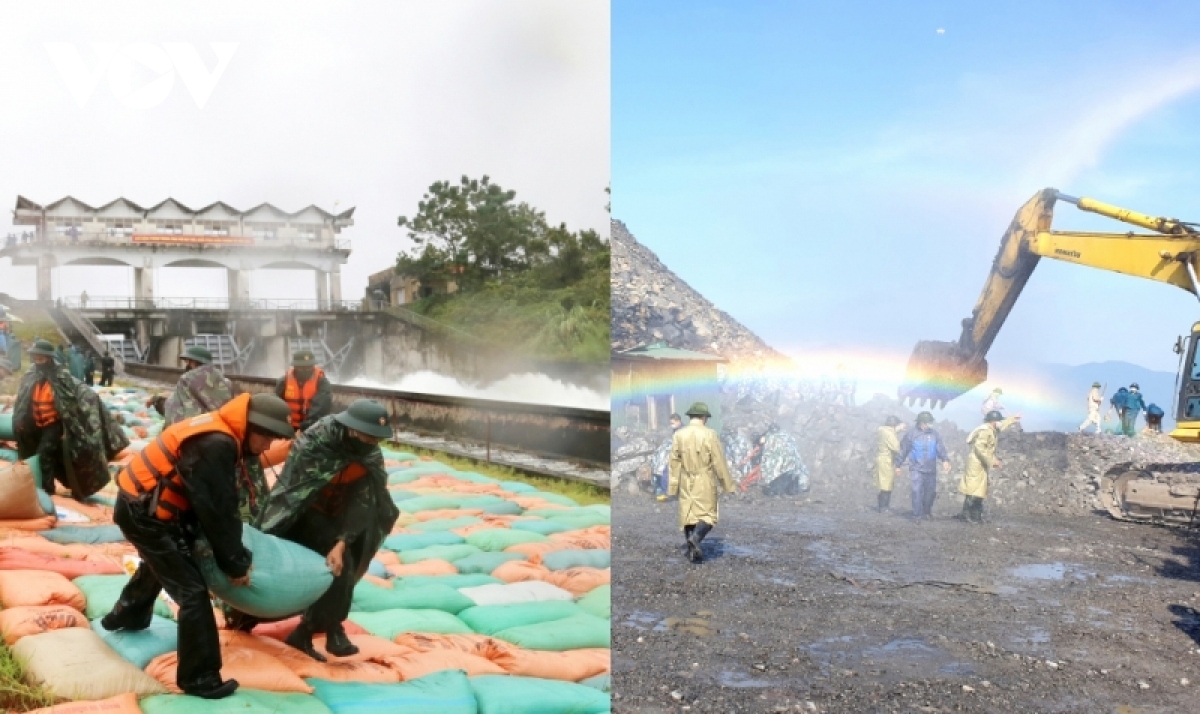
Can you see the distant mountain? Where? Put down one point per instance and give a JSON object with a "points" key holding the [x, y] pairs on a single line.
{"points": [[1053, 397], [650, 304]]}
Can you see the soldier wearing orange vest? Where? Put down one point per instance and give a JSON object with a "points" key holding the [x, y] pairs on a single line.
{"points": [[63, 421], [182, 485], [332, 498], [306, 390]]}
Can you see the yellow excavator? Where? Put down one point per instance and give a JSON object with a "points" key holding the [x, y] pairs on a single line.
{"points": [[941, 371]]}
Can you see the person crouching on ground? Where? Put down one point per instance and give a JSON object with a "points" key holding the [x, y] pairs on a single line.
{"points": [[922, 448], [981, 459], [332, 498], [697, 465], [886, 453], [182, 486]]}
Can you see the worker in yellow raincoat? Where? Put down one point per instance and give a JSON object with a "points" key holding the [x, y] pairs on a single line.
{"points": [[981, 459], [697, 464], [886, 452]]}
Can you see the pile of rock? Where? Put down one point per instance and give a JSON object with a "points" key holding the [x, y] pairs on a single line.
{"points": [[650, 303]]}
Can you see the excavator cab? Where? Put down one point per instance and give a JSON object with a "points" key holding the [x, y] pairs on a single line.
{"points": [[1187, 403]]}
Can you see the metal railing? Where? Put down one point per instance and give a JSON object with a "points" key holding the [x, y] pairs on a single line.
{"points": [[202, 303], [93, 335], [109, 239]]}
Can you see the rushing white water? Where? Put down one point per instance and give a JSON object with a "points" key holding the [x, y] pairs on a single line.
{"points": [[530, 388]]}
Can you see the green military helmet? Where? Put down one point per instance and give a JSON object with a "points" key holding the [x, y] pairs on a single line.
{"points": [[925, 418], [1095, 384], [993, 416], [197, 354], [892, 420], [42, 347], [303, 358], [367, 416], [270, 414], [698, 409]]}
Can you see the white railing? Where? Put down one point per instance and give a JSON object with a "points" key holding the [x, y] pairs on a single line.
{"points": [[197, 303]]}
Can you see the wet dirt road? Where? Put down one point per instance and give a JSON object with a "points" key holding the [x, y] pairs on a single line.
{"points": [[834, 608]]}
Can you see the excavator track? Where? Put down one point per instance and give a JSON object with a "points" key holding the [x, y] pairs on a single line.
{"points": [[1166, 497]]}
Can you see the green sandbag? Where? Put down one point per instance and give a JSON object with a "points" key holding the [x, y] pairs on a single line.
{"points": [[46, 502], [399, 476], [577, 518], [438, 552], [6, 429], [243, 701], [8, 455], [287, 577], [556, 498], [90, 535], [453, 581], [603, 682], [390, 455], [389, 623], [490, 619], [369, 597], [425, 468], [474, 477], [102, 499], [508, 694], [540, 525], [563, 559], [141, 646], [399, 495], [572, 633], [598, 602], [485, 562], [493, 505], [497, 539], [604, 508], [517, 487], [413, 541], [428, 503], [445, 692], [445, 524], [102, 592]]}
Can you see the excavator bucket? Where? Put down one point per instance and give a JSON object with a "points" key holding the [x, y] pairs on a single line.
{"points": [[939, 372]]}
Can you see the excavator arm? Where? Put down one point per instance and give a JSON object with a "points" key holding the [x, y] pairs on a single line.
{"points": [[941, 371]]}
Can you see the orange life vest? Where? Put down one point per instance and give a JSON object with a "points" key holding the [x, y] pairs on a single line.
{"points": [[299, 396], [154, 468], [331, 497], [44, 413]]}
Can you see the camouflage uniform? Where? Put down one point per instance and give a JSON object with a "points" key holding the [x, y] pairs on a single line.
{"points": [[199, 391], [91, 438], [305, 508], [781, 457], [737, 448]]}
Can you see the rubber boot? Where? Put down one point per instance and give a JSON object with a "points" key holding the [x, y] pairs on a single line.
{"points": [[977, 511], [881, 502], [301, 639], [213, 688], [122, 619], [338, 644], [887, 501], [966, 511], [695, 552]]}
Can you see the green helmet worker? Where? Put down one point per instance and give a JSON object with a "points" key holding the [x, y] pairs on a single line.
{"points": [[886, 452], [184, 485], [195, 356], [697, 471], [922, 449], [306, 390], [332, 498], [62, 421], [201, 389], [981, 459]]}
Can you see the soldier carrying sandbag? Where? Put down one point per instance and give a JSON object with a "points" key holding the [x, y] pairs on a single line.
{"points": [[182, 486], [332, 498], [202, 388], [63, 422]]}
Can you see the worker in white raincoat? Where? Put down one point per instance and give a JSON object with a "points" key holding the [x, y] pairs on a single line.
{"points": [[981, 459], [887, 451], [697, 465]]}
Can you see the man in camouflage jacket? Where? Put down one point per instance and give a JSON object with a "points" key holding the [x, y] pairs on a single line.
{"points": [[332, 497], [201, 389], [90, 438], [783, 471]]}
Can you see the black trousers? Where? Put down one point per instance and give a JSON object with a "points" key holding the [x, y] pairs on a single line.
{"points": [[106, 379], [89, 378], [51, 458], [314, 531], [168, 564]]}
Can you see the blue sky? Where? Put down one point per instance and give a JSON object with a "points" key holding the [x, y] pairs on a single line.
{"points": [[838, 177]]}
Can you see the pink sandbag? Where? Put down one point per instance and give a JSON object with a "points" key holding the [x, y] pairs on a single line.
{"points": [[518, 571], [17, 622], [280, 630], [387, 557], [39, 587], [100, 515], [126, 703], [539, 548], [447, 513], [579, 581], [71, 568], [433, 566]]}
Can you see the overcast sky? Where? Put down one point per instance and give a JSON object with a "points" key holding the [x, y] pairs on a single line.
{"points": [[838, 177], [337, 104]]}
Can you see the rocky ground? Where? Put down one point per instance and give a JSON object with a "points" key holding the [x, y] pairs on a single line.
{"points": [[821, 604]]}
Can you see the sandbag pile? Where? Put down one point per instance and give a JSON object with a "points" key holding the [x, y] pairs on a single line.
{"points": [[488, 596]]}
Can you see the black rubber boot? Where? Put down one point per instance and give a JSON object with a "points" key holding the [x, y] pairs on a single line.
{"points": [[887, 501], [301, 639], [122, 618], [881, 502], [966, 511], [687, 538], [339, 645], [212, 688], [695, 552], [977, 511]]}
